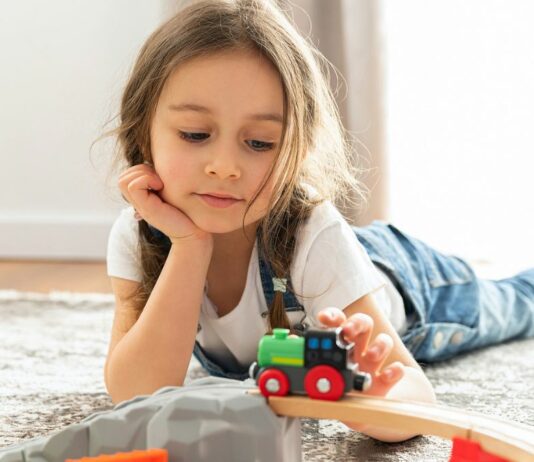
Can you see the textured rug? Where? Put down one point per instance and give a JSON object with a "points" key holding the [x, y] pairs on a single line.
{"points": [[52, 354]]}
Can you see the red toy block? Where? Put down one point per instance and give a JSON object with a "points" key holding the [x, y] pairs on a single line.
{"points": [[149, 455], [470, 451]]}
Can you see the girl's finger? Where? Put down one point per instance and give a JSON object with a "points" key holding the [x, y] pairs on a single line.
{"points": [[141, 195], [358, 329], [134, 172], [392, 373], [143, 181], [386, 380], [125, 179], [377, 353], [130, 175], [331, 317], [145, 166]]}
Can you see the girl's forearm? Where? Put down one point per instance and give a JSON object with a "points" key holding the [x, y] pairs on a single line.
{"points": [[157, 349], [414, 386]]}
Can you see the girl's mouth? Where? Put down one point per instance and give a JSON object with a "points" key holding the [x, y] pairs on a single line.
{"points": [[218, 202]]}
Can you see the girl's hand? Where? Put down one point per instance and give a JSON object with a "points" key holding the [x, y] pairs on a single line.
{"points": [[140, 185], [371, 357]]}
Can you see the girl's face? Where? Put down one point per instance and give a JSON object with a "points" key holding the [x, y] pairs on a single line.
{"points": [[217, 129]]}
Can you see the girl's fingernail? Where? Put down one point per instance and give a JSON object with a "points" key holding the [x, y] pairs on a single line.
{"points": [[357, 329], [388, 373], [350, 328], [373, 352]]}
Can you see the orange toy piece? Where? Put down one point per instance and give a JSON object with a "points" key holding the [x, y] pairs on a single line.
{"points": [[149, 455]]}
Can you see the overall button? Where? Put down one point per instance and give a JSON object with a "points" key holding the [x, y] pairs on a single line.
{"points": [[457, 338], [438, 340]]}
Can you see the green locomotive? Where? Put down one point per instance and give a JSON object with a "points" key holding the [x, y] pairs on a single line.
{"points": [[317, 364]]}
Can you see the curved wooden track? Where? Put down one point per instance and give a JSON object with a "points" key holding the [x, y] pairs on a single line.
{"points": [[509, 440]]}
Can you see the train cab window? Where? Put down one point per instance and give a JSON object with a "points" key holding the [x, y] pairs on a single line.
{"points": [[326, 344], [313, 343]]}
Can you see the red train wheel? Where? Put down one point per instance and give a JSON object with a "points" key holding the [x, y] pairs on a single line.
{"points": [[273, 382], [324, 382]]}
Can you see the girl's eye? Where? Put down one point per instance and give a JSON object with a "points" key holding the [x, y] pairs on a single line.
{"points": [[260, 145], [199, 137], [193, 137]]}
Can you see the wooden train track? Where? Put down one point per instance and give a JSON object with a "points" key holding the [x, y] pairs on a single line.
{"points": [[509, 440]]}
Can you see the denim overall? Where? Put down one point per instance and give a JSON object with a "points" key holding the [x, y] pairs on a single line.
{"points": [[449, 310], [290, 304]]}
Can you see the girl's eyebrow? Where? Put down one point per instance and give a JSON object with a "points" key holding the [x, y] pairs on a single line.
{"points": [[274, 117]]}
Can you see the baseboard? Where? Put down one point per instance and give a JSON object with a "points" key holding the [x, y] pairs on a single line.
{"points": [[54, 237]]}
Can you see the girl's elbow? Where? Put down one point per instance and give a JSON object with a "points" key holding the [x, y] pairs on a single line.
{"points": [[119, 393]]}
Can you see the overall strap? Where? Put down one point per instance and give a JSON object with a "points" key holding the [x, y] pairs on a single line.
{"points": [[270, 283], [159, 236], [268, 280]]}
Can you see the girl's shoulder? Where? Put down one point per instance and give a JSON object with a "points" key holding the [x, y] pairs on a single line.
{"points": [[122, 255], [326, 234], [330, 266], [125, 225], [323, 216]]}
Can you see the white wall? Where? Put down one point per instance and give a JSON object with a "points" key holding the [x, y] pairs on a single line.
{"points": [[347, 32], [459, 105], [460, 119], [64, 64]]}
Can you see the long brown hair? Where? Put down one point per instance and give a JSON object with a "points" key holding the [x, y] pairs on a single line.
{"points": [[315, 149]]}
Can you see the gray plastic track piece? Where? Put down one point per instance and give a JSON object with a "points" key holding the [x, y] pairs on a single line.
{"points": [[208, 419]]}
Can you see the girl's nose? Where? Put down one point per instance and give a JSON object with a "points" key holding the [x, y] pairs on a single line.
{"points": [[223, 165]]}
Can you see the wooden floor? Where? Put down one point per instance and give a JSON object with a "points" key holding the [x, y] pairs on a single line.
{"points": [[46, 276]]}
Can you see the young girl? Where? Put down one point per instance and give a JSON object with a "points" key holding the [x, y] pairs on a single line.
{"points": [[235, 155]]}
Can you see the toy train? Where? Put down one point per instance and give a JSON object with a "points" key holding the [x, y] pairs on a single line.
{"points": [[317, 364]]}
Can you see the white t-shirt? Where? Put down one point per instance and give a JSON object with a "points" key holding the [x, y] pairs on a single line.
{"points": [[330, 268]]}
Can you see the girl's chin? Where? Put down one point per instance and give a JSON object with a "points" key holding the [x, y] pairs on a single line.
{"points": [[219, 226]]}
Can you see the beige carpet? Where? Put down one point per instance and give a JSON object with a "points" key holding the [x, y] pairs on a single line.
{"points": [[52, 356]]}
